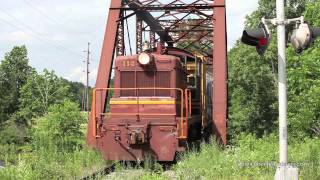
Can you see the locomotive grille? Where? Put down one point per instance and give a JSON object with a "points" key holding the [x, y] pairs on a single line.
{"points": [[127, 81], [163, 80], [145, 79]]}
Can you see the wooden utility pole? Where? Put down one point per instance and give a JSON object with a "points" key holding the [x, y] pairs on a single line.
{"points": [[82, 99], [86, 96]]}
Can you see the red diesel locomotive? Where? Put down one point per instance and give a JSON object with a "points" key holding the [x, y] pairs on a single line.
{"points": [[158, 104]]}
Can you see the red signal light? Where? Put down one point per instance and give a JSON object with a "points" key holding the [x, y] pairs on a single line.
{"points": [[263, 41], [258, 37]]}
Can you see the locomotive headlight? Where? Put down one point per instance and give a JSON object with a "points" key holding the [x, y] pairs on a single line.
{"points": [[144, 58]]}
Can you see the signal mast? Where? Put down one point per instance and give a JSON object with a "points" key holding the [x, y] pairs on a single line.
{"points": [[302, 38]]}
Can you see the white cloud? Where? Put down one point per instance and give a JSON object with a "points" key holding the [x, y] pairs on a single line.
{"points": [[55, 32], [78, 74], [93, 75], [237, 10], [17, 36]]}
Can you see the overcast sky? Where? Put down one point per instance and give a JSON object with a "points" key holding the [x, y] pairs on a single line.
{"points": [[56, 32]]}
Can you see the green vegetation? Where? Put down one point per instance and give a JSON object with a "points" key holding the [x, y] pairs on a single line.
{"points": [[14, 72], [39, 92], [250, 158], [253, 81], [56, 149], [41, 126]]}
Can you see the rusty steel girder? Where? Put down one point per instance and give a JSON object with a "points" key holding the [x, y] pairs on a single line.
{"points": [[193, 25]]}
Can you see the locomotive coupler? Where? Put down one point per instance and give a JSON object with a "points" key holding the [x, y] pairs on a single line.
{"points": [[137, 135]]}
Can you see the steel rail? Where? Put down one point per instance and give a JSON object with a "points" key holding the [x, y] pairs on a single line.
{"points": [[105, 171]]}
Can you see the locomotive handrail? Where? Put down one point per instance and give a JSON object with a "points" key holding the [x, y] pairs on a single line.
{"points": [[188, 108], [182, 129], [188, 92]]}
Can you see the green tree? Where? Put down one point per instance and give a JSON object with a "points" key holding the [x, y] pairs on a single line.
{"points": [[267, 9], [40, 92], [76, 92], [304, 84], [252, 94], [14, 72]]}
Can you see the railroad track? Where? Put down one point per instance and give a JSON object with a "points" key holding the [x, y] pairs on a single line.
{"points": [[111, 168], [102, 172]]}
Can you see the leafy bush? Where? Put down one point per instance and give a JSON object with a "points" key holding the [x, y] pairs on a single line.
{"points": [[12, 133], [60, 128]]}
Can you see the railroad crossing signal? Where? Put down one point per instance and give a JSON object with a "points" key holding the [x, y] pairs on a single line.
{"points": [[259, 37], [303, 37]]}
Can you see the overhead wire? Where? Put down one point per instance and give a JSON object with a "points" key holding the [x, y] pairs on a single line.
{"points": [[31, 34], [36, 34], [24, 28], [40, 12], [53, 20], [36, 37]]}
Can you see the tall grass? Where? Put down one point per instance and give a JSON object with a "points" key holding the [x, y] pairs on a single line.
{"points": [[48, 164], [251, 158]]}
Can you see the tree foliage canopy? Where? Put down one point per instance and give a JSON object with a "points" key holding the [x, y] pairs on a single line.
{"points": [[41, 91], [14, 72], [267, 9], [26, 94]]}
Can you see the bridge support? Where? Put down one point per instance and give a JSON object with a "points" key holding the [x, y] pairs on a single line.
{"points": [[220, 71]]}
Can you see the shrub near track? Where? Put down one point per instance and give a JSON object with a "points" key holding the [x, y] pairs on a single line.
{"points": [[57, 148]]}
